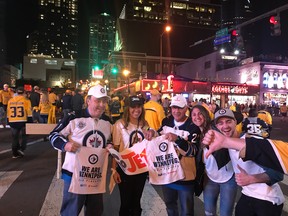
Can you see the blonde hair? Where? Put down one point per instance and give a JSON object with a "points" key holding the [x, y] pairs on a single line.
{"points": [[44, 97]]}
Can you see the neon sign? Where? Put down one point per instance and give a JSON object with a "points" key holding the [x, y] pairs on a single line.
{"points": [[230, 89]]}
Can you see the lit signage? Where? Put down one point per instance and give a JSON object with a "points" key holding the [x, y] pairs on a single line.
{"points": [[230, 89], [98, 74]]}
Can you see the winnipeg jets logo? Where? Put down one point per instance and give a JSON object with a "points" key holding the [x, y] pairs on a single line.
{"points": [[163, 147], [95, 141], [94, 138], [93, 159]]}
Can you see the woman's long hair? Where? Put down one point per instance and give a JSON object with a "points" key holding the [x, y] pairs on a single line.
{"points": [[141, 120], [205, 113]]}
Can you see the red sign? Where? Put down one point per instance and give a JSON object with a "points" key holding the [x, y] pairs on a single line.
{"points": [[27, 87], [98, 74], [229, 89]]}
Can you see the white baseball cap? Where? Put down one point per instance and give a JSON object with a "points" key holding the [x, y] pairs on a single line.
{"points": [[178, 101], [98, 91]]}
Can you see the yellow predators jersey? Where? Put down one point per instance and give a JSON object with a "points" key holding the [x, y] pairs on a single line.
{"points": [[5, 96], [154, 114], [19, 109], [44, 108]]}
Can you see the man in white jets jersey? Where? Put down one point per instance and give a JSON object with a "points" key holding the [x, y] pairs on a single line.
{"points": [[92, 129]]}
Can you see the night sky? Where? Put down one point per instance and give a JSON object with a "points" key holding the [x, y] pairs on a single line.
{"points": [[22, 16]]}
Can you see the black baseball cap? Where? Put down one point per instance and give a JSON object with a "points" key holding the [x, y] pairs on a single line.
{"points": [[135, 101]]}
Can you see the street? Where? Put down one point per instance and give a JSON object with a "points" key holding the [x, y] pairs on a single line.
{"points": [[29, 187]]}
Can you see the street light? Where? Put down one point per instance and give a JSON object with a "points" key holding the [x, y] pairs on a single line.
{"points": [[167, 29], [126, 74]]}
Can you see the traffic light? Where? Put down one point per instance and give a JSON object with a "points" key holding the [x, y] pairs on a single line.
{"points": [[275, 25], [96, 67], [237, 39], [114, 70]]}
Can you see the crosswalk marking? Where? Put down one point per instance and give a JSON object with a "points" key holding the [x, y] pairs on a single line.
{"points": [[6, 180], [151, 202]]}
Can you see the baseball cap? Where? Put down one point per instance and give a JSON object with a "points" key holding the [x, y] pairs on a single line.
{"points": [[154, 92], [178, 101], [98, 91], [20, 90], [134, 101], [224, 113]]}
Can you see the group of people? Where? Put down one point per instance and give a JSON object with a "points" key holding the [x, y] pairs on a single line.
{"points": [[224, 169]]}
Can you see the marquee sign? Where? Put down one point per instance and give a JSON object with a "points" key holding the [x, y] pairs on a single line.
{"points": [[229, 89]]}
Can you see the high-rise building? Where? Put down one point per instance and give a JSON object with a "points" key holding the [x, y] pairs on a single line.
{"points": [[57, 29], [236, 12], [101, 39], [178, 12]]}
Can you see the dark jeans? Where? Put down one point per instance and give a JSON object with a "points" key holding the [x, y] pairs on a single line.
{"points": [[186, 199], [131, 189], [17, 135], [43, 118], [250, 206], [36, 116], [72, 204]]}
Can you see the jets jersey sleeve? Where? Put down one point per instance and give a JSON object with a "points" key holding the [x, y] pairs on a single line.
{"points": [[268, 153]]}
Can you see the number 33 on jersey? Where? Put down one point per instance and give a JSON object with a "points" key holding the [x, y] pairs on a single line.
{"points": [[19, 109]]}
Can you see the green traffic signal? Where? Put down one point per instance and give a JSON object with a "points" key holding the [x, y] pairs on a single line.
{"points": [[114, 70], [96, 67]]}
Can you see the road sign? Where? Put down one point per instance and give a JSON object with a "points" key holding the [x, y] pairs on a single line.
{"points": [[222, 32], [221, 40]]}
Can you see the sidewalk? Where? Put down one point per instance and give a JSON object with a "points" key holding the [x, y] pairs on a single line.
{"points": [[151, 202]]}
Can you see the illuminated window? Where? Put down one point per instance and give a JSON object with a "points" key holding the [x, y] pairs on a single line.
{"points": [[50, 62], [33, 61], [148, 9], [202, 9], [69, 63], [178, 5]]}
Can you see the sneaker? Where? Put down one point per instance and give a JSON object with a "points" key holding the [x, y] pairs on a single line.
{"points": [[7, 126], [17, 156], [21, 153]]}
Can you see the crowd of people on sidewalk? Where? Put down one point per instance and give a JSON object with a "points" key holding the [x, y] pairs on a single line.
{"points": [[95, 120]]}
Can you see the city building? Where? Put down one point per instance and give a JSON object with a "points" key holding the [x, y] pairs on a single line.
{"points": [[50, 71], [203, 14], [101, 39], [251, 80], [57, 29]]}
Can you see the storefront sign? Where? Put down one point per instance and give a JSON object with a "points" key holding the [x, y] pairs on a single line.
{"points": [[227, 89]]}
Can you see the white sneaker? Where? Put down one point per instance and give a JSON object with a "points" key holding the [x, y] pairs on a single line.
{"points": [[1, 126], [7, 126]]}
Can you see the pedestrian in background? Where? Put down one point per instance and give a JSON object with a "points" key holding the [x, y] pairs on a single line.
{"points": [[283, 111], [77, 102], [90, 129], [154, 112], [35, 100], [66, 102], [5, 96], [18, 114], [44, 107]]}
